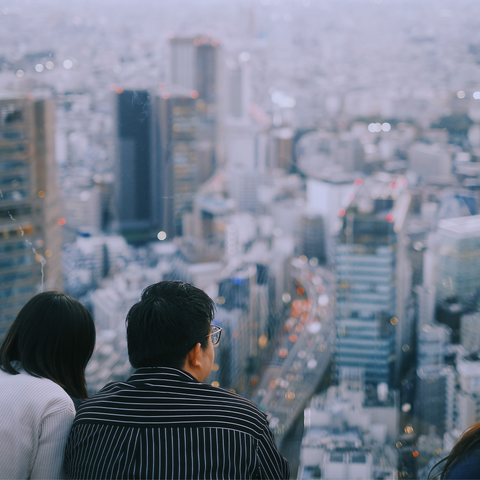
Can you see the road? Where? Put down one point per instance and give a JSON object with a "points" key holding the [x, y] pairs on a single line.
{"points": [[303, 350]]}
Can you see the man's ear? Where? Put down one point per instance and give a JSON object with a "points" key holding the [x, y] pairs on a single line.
{"points": [[193, 357]]}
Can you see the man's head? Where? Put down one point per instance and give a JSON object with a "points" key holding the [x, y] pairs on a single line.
{"points": [[171, 321]]}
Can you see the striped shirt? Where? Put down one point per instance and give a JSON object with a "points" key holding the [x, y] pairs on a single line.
{"points": [[162, 423]]}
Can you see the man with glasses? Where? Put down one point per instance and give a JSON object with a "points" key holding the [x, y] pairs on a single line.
{"points": [[164, 422]]}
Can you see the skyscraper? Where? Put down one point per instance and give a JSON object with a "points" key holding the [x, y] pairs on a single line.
{"points": [[366, 259], [30, 214], [143, 194], [193, 66], [191, 149]]}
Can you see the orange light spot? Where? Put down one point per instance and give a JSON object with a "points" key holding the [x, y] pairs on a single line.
{"points": [[235, 334], [300, 290], [194, 94], [41, 194], [393, 185], [293, 338], [196, 42], [165, 95], [389, 217], [119, 90], [297, 305], [273, 384], [113, 87], [415, 453], [283, 353], [358, 182], [162, 86], [62, 221], [341, 212], [48, 253]]}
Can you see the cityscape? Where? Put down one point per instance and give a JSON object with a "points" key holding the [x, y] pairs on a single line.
{"points": [[310, 164]]}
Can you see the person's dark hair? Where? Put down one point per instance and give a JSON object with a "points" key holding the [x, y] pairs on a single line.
{"points": [[466, 444], [52, 337], [167, 322]]}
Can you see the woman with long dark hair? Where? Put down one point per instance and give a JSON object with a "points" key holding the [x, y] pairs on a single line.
{"points": [[42, 365], [463, 462]]}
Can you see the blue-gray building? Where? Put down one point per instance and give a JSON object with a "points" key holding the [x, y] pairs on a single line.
{"points": [[366, 292]]}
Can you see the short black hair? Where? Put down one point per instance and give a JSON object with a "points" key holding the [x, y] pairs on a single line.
{"points": [[167, 322], [52, 337]]}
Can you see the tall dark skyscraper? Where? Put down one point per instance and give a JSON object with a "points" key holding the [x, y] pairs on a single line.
{"points": [[143, 194]]}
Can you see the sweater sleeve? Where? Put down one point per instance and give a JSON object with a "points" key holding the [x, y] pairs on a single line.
{"points": [[51, 445]]}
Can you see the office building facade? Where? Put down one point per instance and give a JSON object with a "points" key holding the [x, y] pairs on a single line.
{"points": [[144, 174], [30, 207], [366, 295]]}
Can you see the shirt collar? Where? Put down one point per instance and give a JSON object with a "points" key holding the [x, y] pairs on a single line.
{"points": [[167, 373]]}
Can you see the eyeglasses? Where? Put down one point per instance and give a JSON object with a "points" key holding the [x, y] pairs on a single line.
{"points": [[216, 333]]}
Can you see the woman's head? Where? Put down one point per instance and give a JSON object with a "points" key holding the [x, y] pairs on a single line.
{"points": [[52, 337]]}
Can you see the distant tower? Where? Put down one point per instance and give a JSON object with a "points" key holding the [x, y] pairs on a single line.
{"points": [[426, 305], [143, 167], [193, 66], [30, 208], [366, 296], [191, 155], [193, 110]]}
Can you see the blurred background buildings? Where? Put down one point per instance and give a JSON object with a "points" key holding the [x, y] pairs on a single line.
{"points": [[312, 165]]}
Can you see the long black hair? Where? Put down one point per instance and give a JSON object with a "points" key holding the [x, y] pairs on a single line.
{"points": [[466, 444], [52, 337]]}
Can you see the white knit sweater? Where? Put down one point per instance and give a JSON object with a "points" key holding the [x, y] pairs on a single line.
{"points": [[35, 418]]}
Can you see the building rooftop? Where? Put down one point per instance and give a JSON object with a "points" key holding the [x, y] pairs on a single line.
{"points": [[461, 227]]}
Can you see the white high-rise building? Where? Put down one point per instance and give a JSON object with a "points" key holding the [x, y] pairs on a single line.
{"points": [[426, 305], [470, 332], [430, 160], [467, 398], [458, 257], [431, 345]]}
